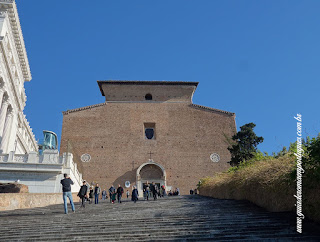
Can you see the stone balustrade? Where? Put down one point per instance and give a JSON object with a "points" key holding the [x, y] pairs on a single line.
{"points": [[41, 173], [48, 157]]}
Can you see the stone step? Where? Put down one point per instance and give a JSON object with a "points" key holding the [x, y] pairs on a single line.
{"points": [[154, 233], [185, 218]]}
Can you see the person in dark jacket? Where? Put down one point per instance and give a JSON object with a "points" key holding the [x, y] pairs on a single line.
{"points": [[83, 193], [97, 191], [111, 191], [135, 194], [119, 193], [146, 191], [153, 190], [66, 189], [90, 195], [158, 191]]}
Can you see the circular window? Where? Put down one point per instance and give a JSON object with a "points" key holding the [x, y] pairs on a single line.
{"points": [[148, 96], [214, 157], [85, 158], [127, 184]]}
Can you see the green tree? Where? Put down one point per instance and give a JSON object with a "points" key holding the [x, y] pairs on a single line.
{"points": [[283, 152], [245, 144], [312, 157]]}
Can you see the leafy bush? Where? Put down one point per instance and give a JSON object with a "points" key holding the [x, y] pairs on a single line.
{"points": [[244, 144], [311, 159], [257, 156], [312, 154]]}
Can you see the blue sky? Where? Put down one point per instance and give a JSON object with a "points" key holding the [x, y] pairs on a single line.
{"points": [[259, 59]]}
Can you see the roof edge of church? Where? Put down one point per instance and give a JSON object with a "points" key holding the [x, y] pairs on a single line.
{"points": [[83, 108], [192, 105], [211, 109], [127, 82]]}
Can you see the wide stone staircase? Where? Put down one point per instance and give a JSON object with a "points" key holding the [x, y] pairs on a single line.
{"points": [[179, 218]]}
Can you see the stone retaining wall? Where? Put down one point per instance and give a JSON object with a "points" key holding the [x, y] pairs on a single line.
{"points": [[11, 201]]}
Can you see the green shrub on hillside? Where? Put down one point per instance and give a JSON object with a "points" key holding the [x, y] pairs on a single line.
{"points": [[311, 159], [270, 181], [257, 156], [312, 153], [241, 165]]}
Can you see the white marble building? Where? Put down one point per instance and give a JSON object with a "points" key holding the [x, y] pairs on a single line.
{"points": [[15, 132], [19, 157]]}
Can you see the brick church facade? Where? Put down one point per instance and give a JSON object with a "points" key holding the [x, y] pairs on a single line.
{"points": [[148, 131]]}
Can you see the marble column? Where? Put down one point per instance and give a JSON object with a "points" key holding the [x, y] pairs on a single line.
{"points": [[6, 132], [1, 96], [3, 114], [12, 139], [2, 91]]}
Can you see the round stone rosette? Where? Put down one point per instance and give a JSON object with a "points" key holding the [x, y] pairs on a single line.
{"points": [[214, 157], [85, 158]]}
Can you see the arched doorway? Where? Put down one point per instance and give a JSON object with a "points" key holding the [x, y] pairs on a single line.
{"points": [[151, 172]]}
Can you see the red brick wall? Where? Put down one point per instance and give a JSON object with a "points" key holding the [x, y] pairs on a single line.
{"points": [[113, 134]]}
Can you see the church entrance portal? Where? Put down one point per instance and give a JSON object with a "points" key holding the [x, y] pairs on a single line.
{"points": [[150, 172]]}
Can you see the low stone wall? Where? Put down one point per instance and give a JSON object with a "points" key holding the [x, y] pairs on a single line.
{"points": [[11, 201], [13, 188], [281, 200]]}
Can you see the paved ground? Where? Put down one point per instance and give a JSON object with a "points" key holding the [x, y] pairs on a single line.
{"points": [[180, 218]]}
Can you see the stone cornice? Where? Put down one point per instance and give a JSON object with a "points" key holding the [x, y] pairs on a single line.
{"points": [[146, 83], [211, 109], [10, 7], [83, 108], [191, 105], [128, 82]]}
